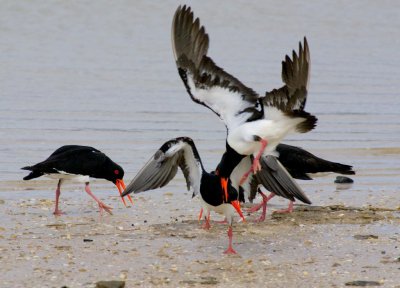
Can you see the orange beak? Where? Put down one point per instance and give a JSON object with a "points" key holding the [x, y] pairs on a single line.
{"points": [[224, 185], [121, 187], [236, 204]]}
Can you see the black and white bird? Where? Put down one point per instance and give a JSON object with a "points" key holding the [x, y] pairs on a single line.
{"points": [[216, 194], [248, 117], [299, 163], [256, 124], [78, 163]]}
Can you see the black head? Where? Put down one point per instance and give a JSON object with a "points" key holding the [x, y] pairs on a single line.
{"points": [[111, 171], [212, 191]]}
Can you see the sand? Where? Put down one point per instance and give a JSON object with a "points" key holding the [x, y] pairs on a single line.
{"points": [[158, 243]]}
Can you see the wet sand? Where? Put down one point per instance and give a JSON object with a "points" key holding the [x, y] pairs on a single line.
{"points": [[159, 242]]}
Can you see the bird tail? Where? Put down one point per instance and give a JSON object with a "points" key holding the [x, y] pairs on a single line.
{"points": [[342, 168], [33, 174], [308, 121]]}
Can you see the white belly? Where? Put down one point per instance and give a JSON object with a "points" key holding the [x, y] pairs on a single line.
{"points": [[69, 177], [225, 209], [242, 138]]}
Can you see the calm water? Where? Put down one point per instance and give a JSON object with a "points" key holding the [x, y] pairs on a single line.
{"points": [[102, 74]]}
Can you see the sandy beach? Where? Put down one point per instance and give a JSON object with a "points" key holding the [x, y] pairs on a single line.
{"points": [[157, 243]]}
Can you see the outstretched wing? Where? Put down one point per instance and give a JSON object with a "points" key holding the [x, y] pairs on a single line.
{"points": [[206, 83], [295, 75], [163, 166], [274, 177]]}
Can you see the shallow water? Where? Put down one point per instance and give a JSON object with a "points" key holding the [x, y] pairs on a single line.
{"points": [[91, 74], [103, 74]]}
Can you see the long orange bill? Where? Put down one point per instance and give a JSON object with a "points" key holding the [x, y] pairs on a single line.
{"points": [[121, 187], [224, 185], [129, 196], [236, 205]]}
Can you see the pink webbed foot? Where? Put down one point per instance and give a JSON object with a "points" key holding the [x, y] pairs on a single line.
{"points": [[255, 208], [285, 211], [206, 225], [105, 207], [261, 218], [58, 212], [230, 251], [263, 205]]}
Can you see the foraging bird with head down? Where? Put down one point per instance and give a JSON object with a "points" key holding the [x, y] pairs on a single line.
{"points": [[78, 163], [216, 194]]}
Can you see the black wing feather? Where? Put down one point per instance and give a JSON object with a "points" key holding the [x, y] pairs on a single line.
{"points": [[276, 179]]}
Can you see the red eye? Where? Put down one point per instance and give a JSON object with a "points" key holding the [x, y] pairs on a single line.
{"points": [[116, 172]]}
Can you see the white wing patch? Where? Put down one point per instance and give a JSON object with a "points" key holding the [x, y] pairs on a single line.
{"points": [[193, 165], [222, 101], [195, 169]]}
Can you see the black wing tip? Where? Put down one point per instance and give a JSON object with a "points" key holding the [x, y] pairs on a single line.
{"points": [[345, 170], [306, 200], [305, 43], [26, 168], [309, 122], [126, 193]]}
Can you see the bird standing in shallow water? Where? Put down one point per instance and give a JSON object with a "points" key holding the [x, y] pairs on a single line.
{"points": [[78, 163], [216, 194]]}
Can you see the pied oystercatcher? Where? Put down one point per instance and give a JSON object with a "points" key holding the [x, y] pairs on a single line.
{"points": [[252, 121], [216, 194], [299, 163], [78, 163]]}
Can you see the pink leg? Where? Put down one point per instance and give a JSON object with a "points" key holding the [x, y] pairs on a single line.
{"points": [[288, 210], [245, 175], [57, 211], [200, 214], [206, 224], [230, 249], [265, 200], [263, 204], [256, 162], [101, 204]]}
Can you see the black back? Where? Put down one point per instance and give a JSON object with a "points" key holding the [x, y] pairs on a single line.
{"points": [[79, 160], [298, 162]]}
